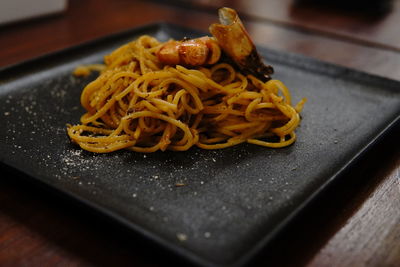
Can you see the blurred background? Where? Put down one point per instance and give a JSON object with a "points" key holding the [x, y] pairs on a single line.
{"points": [[15, 10], [349, 33]]}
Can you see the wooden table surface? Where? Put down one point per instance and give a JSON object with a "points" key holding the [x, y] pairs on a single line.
{"points": [[355, 223]]}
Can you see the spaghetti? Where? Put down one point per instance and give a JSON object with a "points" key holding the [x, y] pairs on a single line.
{"points": [[141, 104]]}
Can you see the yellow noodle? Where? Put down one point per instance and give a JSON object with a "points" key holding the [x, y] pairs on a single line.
{"points": [[137, 103]]}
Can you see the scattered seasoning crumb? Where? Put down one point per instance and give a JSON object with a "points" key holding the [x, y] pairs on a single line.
{"points": [[151, 208], [207, 234], [260, 180], [6, 113], [181, 237], [144, 156], [155, 176], [335, 141], [201, 182], [294, 168], [223, 208], [214, 160], [75, 177], [179, 184], [134, 195], [80, 183]]}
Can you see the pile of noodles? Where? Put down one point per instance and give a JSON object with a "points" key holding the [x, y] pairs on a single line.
{"points": [[137, 103]]}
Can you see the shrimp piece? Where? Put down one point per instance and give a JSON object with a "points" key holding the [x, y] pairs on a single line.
{"points": [[191, 52], [234, 40]]}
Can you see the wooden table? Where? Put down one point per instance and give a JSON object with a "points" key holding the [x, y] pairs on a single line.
{"points": [[355, 223]]}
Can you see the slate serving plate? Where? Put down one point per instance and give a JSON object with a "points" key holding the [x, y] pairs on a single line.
{"points": [[234, 200]]}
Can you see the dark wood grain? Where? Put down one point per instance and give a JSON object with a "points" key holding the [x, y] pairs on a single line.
{"points": [[380, 244], [83, 22], [364, 22], [356, 223]]}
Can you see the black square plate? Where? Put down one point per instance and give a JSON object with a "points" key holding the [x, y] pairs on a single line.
{"points": [[234, 200]]}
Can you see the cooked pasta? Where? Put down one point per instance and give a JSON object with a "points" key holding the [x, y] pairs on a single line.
{"points": [[141, 104]]}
